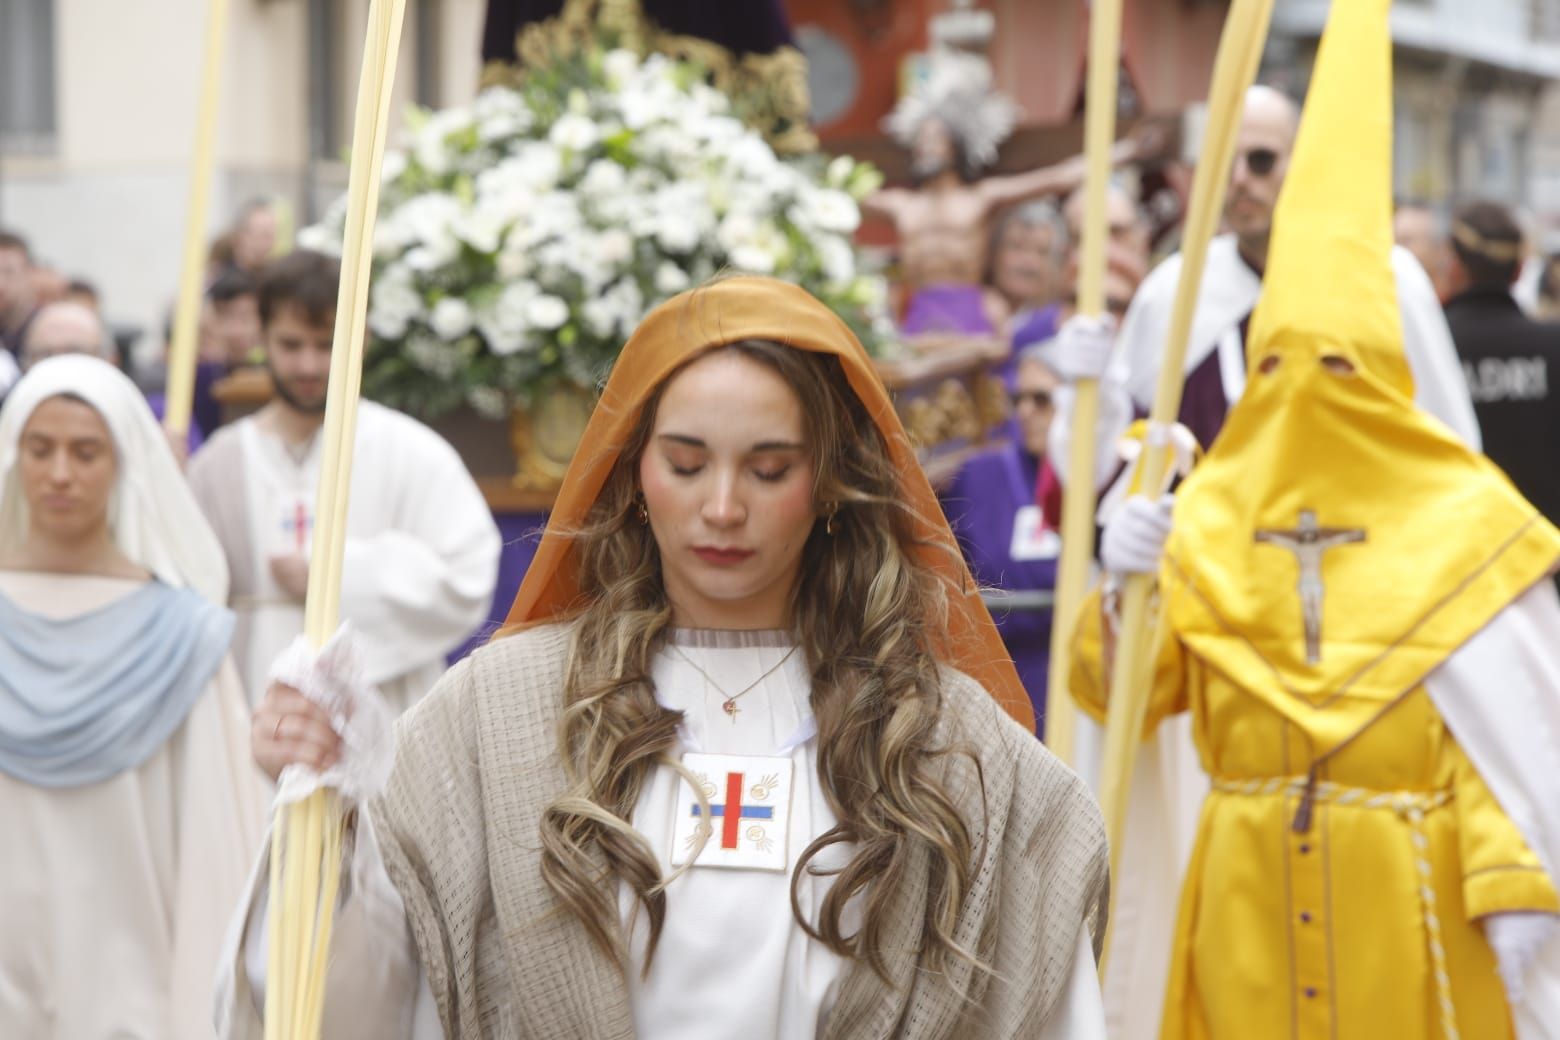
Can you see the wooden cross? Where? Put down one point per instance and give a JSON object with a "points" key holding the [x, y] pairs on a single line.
{"points": [[1308, 542]]}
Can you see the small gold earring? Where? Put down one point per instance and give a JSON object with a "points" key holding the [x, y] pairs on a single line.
{"points": [[643, 512], [828, 523]]}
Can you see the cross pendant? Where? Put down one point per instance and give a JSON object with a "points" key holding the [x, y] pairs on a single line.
{"points": [[730, 708]]}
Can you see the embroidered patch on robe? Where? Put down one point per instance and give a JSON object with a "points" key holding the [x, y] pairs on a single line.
{"points": [[294, 528], [749, 812]]}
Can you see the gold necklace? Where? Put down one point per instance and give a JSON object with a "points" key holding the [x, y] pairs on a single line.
{"points": [[730, 704]]}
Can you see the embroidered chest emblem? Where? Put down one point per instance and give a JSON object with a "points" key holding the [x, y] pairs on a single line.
{"points": [[749, 813], [295, 527]]}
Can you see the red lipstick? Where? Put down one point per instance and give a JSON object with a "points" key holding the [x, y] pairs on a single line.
{"points": [[722, 557]]}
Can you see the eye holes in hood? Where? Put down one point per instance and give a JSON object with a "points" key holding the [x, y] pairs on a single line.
{"points": [[1335, 364]]}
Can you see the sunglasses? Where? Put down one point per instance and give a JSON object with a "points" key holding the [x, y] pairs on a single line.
{"points": [[1038, 398], [1260, 161]]}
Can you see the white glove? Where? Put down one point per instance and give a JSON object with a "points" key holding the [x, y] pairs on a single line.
{"points": [[1517, 938], [1081, 347], [333, 679], [1135, 536]]}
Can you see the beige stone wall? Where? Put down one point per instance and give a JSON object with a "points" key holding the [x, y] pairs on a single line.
{"points": [[110, 202]]}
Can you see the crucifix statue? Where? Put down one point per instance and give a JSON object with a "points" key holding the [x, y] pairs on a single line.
{"points": [[1308, 542]]}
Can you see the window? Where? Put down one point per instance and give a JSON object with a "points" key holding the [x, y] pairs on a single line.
{"points": [[27, 76]]}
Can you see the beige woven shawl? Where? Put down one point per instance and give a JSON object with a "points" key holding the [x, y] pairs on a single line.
{"points": [[477, 763]]}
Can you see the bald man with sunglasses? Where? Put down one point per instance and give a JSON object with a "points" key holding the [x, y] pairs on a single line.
{"points": [[1232, 282]]}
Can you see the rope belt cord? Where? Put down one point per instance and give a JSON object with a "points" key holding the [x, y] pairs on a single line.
{"points": [[1412, 807]]}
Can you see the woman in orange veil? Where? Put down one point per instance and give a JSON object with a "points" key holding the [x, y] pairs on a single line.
{"points": [[742, 764]]}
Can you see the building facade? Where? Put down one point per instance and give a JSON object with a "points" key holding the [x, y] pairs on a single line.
{"points": [[97, 121], [98, 102], [1477, 112]]}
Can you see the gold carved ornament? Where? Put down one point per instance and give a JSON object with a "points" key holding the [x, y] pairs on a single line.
{"points": [[767, 91]]}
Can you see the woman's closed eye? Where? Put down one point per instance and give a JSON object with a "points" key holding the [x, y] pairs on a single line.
{"points": [[772, 474]]}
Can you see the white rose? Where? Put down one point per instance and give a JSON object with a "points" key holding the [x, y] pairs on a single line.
{"points": [[393, 303], [432, 147], [829, 209], [513, 263], [614, 247], [671, 279], [451, 318], [574, 133], [603, 177], [389, 237], [763, 251], [619, 66], [751, 156], [839, 169], [393, 165], [836, 257], [629, 305], [429, 258], [386, 322], [504, 326], [425, 222], [753, 259], [546, 312], [600, 316], [480, 228], [540, 165], [676, 236], [500, 112]]}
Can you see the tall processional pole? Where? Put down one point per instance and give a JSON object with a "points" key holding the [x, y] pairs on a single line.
{"points": [[306, 845]]}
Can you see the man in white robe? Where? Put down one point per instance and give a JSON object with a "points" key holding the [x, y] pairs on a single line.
{"points": [[1215, 367], [128, 800], [422, 549]]}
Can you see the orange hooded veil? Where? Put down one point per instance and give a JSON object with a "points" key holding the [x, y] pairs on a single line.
{"points": [[712, 316]]}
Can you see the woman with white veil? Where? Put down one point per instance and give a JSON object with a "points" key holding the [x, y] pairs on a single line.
{"points": [[127, 799]]}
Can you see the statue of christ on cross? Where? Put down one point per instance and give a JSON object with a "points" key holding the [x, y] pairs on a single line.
{"points": [[1308, 542]]}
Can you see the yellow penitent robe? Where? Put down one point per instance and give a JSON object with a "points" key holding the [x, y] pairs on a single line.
{"points": [[1323, 932], [1335, 551]]}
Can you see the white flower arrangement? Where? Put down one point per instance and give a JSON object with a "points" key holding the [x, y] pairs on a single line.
{"points": [[522, 238]]}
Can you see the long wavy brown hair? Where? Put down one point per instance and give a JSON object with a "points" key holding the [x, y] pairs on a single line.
{"points": [[876, 691]]}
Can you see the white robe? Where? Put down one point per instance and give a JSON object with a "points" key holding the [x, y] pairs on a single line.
{"points": [[1499, 694], [421, 553], [787, 980], [115, 894], [1229, 293]]}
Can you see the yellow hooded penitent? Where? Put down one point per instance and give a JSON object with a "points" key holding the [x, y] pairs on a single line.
{"points": [[1337, 544]]}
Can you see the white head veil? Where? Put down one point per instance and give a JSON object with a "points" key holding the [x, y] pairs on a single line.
{"points": [[154, 516]]}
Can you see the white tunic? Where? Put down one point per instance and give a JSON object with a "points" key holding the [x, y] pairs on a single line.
{"points": [[421, 554], [732, 962], [114, 895]]}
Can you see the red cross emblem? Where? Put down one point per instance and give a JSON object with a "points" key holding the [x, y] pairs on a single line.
{"points": [[298, 526], [733, 812]]}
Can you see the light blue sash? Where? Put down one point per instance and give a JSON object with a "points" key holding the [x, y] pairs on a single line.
{"points": [[84, 698]]}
